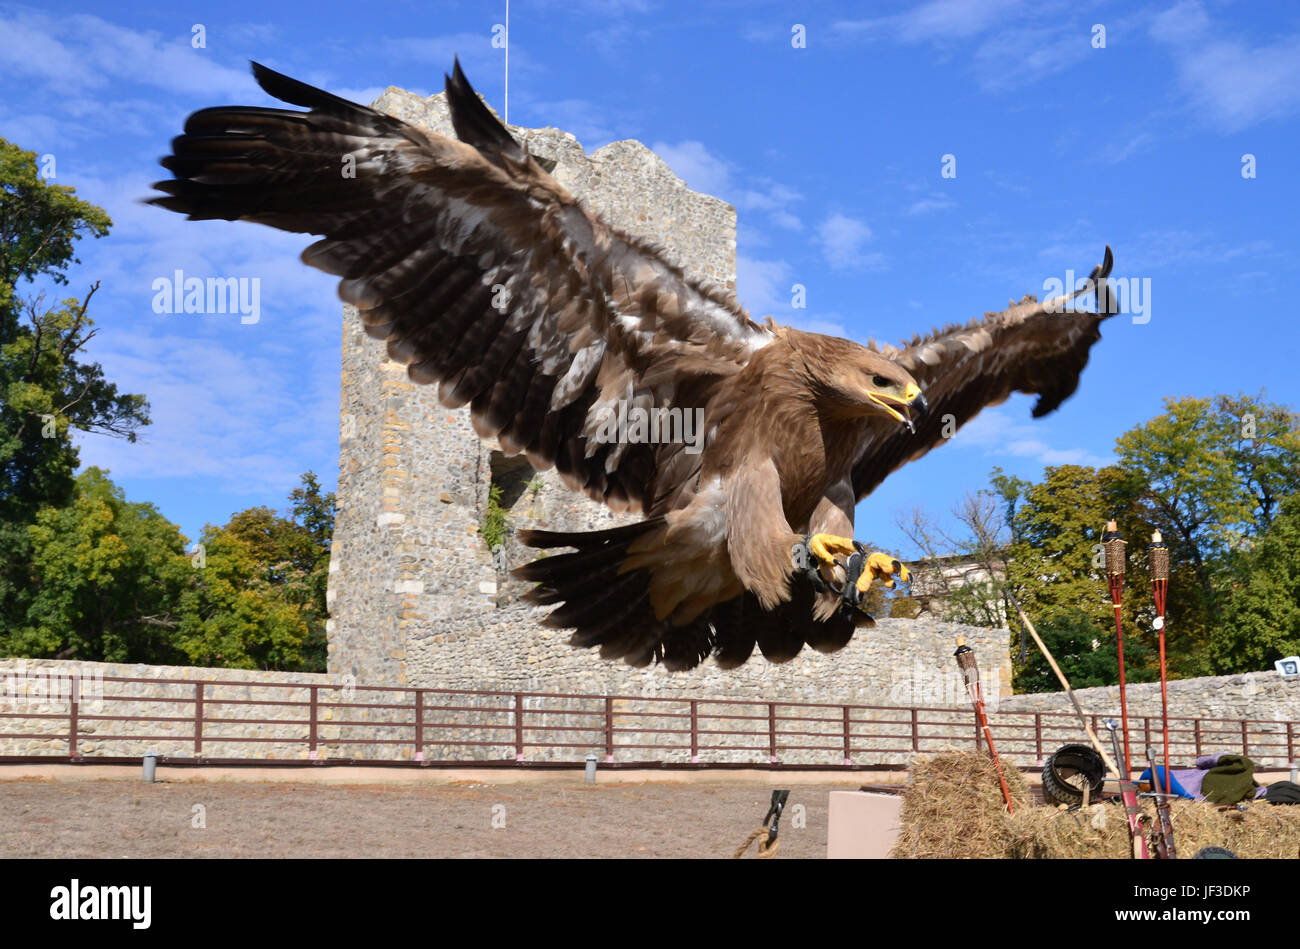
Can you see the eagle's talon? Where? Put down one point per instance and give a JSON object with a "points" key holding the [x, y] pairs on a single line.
{"points": [[824, 547], [886, 567]]}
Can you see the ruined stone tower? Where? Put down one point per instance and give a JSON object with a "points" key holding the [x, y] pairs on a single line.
{"points": [[415, 595]]}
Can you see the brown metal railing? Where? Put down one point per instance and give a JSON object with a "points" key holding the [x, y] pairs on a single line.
{"points": [[393, 725]]}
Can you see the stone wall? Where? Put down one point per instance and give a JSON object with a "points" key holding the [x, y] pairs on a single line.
{"points": [[1270, 702], [45, 687]]}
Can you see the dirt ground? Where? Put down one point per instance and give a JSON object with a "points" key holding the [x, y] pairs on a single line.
{"points": [[121, 818]]}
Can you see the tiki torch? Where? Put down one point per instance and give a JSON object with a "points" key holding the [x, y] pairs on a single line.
{"points": [[1159, 564], [970, 672], [1114, 545]]}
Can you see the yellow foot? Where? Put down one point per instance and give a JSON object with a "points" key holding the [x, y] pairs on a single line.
{"points": [[885, 567], [825, 546]]}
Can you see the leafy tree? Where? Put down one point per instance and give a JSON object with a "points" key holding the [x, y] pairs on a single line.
{"points": [[231, 615], [1086, 658], [258, 599], [113, 582], [108, 572], [1210, 474], [47, 386], [1056, 570], [1262, 620]]}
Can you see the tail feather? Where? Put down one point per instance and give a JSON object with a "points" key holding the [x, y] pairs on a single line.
{"points": [[609, 607]]}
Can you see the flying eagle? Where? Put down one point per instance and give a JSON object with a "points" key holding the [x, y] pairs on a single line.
{"points": [[485, 276]]}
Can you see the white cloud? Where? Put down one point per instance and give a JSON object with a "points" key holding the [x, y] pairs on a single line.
{"points": [[936, 21], [704, 171], [1231, 82], [763, 285], [843, 239], [935, 202], [995, 432], [586, 121], [692, 162], [1113, 153], [766, 288], [1008, 59], [79, 53]]}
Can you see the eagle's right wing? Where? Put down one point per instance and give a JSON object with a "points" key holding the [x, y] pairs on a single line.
{"points": [[1032, 346]]}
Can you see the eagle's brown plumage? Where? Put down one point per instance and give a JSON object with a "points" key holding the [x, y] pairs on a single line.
{"points": [[487, 277]]}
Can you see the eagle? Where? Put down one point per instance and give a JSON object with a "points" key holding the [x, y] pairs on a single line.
{"points": [[485, 276]]}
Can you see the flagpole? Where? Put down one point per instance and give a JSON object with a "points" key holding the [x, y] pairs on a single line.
{"points": [[505, 102]]}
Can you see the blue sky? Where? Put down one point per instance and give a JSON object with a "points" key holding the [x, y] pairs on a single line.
{"points": [[832, 155]]}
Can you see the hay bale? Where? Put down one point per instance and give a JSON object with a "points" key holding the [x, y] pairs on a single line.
{"points": [[954, 808], [1262, 830]]}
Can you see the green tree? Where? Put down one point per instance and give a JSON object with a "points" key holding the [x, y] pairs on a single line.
{"points": [[258, 599], [1086, 658], [1210, 473], [47, 385], [1262, 620], [108, 572], [1056, 571]]}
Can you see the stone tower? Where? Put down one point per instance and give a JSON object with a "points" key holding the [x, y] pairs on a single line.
{"points": [[414, 478]]}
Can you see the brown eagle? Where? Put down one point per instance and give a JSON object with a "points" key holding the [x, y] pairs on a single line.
{"points": [[486, 276]]}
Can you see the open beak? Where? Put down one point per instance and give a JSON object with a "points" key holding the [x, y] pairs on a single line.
{"points": [[911, 408]]}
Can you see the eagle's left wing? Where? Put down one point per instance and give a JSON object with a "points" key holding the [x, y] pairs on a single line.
{"points": [[483, 274], [1033, 347]]}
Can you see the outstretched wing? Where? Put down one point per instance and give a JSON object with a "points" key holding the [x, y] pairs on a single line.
{"points": [[482, 273], [1034, 347]]}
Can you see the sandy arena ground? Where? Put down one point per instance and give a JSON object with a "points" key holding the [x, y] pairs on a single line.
{"points": [[121, 817]]}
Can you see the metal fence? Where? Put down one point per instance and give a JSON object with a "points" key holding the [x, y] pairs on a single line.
{"points": [[238, 722]]}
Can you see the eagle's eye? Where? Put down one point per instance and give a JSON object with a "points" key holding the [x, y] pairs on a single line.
{"points": [[881, 382]]}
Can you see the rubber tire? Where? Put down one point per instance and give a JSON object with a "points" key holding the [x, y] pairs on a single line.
{"points": [[1214, 853], [1068, 761]]}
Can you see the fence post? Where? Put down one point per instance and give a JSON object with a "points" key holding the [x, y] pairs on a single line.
{"points": [[198, 718], [419, 725], [311, 723], [771, 732], [848, 738], [1290, 746], [916, 729], [695, 731], [1245, 738], [519, 726], [979, 738], [1038, 736], [73, 726], [1146, 731], [609, 729], [1196, 731]]}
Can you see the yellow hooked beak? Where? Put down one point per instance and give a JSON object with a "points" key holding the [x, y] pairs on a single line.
{"points": [[912, 399]]}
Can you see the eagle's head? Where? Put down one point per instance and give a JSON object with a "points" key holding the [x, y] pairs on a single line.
{"points": [[849, 380], [886, 387]]}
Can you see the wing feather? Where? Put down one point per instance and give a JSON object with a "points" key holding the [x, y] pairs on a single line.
{"points": [[1033, 347], [480, 271]]}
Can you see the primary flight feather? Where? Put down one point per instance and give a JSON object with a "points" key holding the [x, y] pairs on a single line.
{"points": [[485, 276]]}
